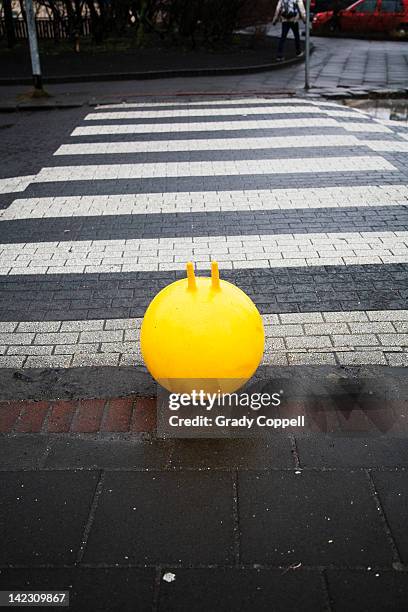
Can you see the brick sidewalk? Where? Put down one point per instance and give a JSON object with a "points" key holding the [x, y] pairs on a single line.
{"points": [[239, 525]]}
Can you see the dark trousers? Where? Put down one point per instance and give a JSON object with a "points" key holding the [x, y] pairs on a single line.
{"points": [[286, 26]]}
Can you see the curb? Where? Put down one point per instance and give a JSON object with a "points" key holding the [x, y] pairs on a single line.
{"points": [[35, 106], [328, 94], [86, 383]]}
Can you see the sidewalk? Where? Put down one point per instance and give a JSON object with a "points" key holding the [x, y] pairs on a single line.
{"points": [[338, 66], [248, 56], [311, 524]]}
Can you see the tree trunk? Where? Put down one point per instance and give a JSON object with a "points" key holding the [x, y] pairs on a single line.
{"points": [[96, 24], [8, 19]]}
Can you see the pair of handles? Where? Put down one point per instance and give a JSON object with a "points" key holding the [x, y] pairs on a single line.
{"points": [[191, 278]]}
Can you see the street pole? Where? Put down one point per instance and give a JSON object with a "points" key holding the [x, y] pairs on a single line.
{"points": [[32, 37], [307, 47]]}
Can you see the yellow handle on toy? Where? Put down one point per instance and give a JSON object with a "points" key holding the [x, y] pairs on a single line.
{"points": [[215, 276], [192, 285]]}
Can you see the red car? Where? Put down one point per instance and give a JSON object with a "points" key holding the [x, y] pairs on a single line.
{"points": [[366, 16]]}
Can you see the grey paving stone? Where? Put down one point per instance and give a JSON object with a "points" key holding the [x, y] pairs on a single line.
{"points": [[316, 518], [361, 357], [101, 336], [392, 488], [92, 359], [209, 223], [99, 590], [344, 317], [170, 517], [21, 451], [48, 361], [8, 327], [308, 342], [355, 340], [319, 329], [29, 350], [376, 591], [340, 451], [230, 454], [74, 453], [293, 291], [210, 183], [11, 362], [34, 326], [241, 590], [45, 514], [56, 338], [311, 358], [311, 317], [16, 338], [397, 360], [70, 326]]}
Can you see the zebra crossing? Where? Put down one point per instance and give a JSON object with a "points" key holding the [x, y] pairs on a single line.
{"points": [[303, 203]]}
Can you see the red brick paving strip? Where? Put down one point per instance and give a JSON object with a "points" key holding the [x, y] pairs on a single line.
{"points": [[89, 416], [118, 415], [32, 417], [9, 412], [60, 416], [121, 415], [144, 415], [138, 415]]}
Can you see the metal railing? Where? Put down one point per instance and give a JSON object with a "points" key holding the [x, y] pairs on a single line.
{"points": [[46, 28]]}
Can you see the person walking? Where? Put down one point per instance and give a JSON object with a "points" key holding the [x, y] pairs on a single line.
{"points": [[289, 13]]}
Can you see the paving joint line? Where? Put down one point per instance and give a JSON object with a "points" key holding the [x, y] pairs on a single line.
{"points": [[391, 540], [156, 588], [328, 600], [206, 469], [105, 413], [44, 424], [22, 413], [91, 517], [295, 451], [246, 566], [235, 518]]}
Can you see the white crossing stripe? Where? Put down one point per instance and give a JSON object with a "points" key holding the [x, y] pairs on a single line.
{"points": [[346, 337], [213, 144], [15, 183], [214, 168], [206, 201], [352, 126], [194, 112], [391, 146], [340, 113], [232, 252], [208, 126]]}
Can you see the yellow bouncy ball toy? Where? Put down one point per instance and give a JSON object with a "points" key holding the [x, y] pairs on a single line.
{"points": [[202, 333]]}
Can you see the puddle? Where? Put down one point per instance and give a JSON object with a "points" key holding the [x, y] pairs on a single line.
{"points": [[395, 109]]}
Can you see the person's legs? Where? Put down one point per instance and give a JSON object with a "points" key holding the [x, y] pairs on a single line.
{"points": [[295, 30], [284, 33]]}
